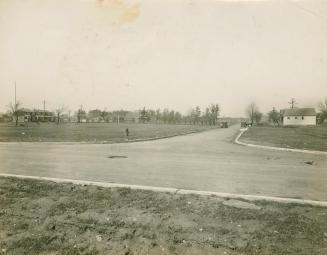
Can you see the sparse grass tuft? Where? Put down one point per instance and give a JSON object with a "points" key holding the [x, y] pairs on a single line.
{"points": [[39, 217]]}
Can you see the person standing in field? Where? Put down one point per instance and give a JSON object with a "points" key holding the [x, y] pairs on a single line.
{"points": [[127, 132]]}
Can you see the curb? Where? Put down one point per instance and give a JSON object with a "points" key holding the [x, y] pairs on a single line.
{"points": [[175, 190], [274, 148]]}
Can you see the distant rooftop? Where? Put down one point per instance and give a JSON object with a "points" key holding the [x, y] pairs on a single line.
{"points": [[299, 112]]}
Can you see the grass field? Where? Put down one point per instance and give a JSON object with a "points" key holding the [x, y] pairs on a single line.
{"points": [[306, 137], [91, 132], [39, 217]]}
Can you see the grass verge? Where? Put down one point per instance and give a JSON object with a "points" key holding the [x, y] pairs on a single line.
{"points": [[307, 137], [92, 132], [40, 217]]}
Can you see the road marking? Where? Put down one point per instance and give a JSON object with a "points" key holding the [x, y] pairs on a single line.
{"points": [[174, 190], [274, 148]]}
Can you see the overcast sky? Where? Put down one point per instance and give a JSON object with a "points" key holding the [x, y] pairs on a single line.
{"points": [[163, 53]]}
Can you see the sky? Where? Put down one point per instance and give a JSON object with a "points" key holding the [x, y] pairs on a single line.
{"points": [[121, 54]]}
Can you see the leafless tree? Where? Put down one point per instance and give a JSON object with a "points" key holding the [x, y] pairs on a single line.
{"points": [[15, 109], [257, 117], [274, 116], [252, 111], [59, 111], [214, 110], [323, 109], [292, 103], [69, 113]]}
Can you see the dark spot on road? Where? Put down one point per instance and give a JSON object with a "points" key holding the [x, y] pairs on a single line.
{"points": [[116, 156], [309, 162]]}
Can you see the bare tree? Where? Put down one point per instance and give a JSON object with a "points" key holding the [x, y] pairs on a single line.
{"points": [[197, 114], [214, 112], [206, 116], [274, 116], [69, 117], [292, 103], [165, 115], [15, 109], [144, 116], [94, 115], [158, 115], [252, 111], [59, 111], [323, 110], [257, 117]]}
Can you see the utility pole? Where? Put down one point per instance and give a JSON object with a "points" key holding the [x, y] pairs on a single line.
{"points": [[79, 113], [15, 107], [292, 103], [43, 110], [15, 95]]}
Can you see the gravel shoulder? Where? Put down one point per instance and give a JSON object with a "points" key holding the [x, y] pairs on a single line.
{"points": [[41, 217]]}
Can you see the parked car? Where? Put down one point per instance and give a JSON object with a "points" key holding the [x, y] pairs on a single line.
{"points": [[244, 124], [224, 124]]}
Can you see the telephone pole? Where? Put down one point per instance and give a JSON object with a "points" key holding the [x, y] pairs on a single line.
{"points": [[15, 112], [292, 103], [15, 95], [79, 113], [43, 110]]}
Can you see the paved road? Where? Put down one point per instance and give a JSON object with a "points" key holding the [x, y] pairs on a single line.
{"points": [[203, 161]]}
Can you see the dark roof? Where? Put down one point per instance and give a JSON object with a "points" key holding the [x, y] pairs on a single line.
{"points": [[299, 112]]}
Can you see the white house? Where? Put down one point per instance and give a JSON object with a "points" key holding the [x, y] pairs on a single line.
{"points": [[299, 116]]}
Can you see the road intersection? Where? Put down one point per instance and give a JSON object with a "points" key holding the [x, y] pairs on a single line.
{"points": [[207, 161]]}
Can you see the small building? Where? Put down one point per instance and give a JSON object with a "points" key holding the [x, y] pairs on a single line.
{"points": [[298, 116], [26, 115]]}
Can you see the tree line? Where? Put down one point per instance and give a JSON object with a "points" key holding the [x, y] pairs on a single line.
{"points": [[166, 116], [195, 116]]}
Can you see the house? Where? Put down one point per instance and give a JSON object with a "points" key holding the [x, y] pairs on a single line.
{"points": [[42, 115], [298, 116], [35, 116]]}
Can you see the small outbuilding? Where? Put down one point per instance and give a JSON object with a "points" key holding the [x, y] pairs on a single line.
{"points": [[298, 116]]}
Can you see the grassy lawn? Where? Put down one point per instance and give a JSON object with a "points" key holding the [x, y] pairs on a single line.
{"points": [[39, 217], [307, 137], [91, 132]]}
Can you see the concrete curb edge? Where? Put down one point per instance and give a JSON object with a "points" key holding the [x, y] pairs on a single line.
{"points": [[274, 148], [174, 190]]}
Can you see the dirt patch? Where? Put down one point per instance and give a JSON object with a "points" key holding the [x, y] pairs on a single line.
{"points": [[39, 217], [117, 156], [241, 204]]}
